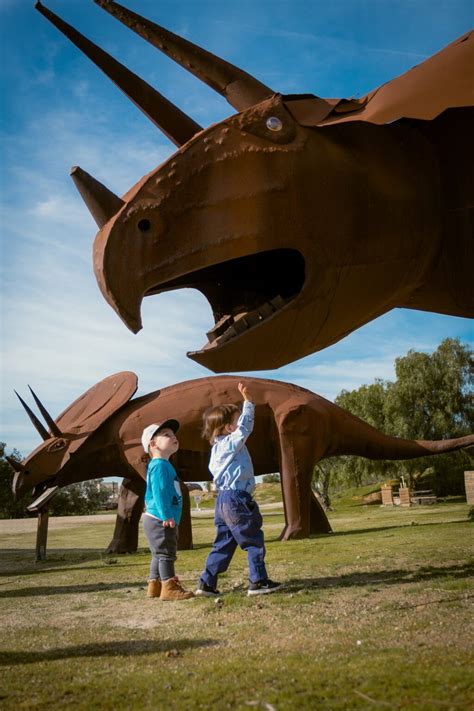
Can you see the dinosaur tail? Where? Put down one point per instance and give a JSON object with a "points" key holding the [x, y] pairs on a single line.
{"points": [[353, 436]]}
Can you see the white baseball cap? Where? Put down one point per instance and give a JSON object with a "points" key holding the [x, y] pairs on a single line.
{"points": [[150, 431]]}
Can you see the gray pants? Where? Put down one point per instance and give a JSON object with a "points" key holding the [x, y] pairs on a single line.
{"points": [[163, 543]]}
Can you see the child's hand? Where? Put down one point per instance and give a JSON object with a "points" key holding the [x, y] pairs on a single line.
{"points": [[243, 390], [169, 523]]}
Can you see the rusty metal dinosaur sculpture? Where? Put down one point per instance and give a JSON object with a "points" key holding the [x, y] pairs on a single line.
{"points": [[99, 436], [299, 218]]}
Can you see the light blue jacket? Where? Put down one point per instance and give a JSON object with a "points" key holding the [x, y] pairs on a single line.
{"points": [[230, 463], [163, 497]]}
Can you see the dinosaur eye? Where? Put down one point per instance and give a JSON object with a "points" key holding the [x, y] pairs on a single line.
{"points": [[274, 123], [57, 445], [271, 123], [144, 225]]}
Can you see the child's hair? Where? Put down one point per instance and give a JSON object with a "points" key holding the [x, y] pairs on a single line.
{"points": [[215, 419]]}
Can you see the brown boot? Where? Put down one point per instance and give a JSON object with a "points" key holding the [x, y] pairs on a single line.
{"points": [[172, 589], [154, 588]]}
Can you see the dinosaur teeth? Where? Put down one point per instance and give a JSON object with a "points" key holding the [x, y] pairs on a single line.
{"points": [[230, 326], [219, 328]]}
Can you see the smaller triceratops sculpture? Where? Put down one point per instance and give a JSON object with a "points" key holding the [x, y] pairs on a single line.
{"points": [[299, 218], [99, 436]]}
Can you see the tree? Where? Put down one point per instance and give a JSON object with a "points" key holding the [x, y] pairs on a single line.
{"points": [[271, 478], [8, 507], [323, 473], [80, 499], [368, 403], [431, 398]]}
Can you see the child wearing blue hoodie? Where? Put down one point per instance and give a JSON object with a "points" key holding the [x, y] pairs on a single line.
{"points": [[164, 504]]}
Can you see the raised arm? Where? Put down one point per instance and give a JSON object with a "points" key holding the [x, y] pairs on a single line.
{"points": [[245, 422]]}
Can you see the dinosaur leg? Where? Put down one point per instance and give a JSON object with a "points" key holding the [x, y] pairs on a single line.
{"points": [[318, 521], [130, 508], [303, 513]]}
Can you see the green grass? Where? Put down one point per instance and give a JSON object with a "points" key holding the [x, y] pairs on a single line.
{"points": [[376, 615], [355, 496], [268, 493]]}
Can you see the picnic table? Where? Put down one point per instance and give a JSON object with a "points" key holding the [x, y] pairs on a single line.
{"points": [[424, 497]]}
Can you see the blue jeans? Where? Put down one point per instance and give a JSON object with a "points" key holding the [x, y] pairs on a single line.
{"points": [[239, 523]]}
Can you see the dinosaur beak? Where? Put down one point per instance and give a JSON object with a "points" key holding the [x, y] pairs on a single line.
{"points": [[123, 272], [18, 486], [126, 302]]}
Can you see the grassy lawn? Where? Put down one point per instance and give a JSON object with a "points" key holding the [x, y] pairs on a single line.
{"points": [[377, 615]]}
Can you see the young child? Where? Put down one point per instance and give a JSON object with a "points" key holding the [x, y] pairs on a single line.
{"points": [[164, 504], [237, 516]]}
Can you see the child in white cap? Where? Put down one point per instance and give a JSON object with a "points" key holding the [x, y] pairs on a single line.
{"points": [[164, 504]]}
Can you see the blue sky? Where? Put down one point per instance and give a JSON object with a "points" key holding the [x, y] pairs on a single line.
{"points": [[57, 332]]}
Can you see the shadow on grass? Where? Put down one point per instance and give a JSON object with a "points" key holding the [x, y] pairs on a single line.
{"points": [[55, 555], [196, 547], [381, 529], [105, 649], [15, 563], [374, 529], [43, 590], [382, 577], [377, 577]]}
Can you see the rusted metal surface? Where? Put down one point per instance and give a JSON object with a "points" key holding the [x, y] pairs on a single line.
{"points": [[294, 429], [42, 533], [299, 218]]}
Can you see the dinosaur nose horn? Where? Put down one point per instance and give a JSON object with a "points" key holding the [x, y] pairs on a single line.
{"points": [[175, 124], [17, 466], [101, 202], [53, 428], [240, 89], [42, 431]]}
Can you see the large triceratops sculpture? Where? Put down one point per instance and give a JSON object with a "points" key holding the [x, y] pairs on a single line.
{"points": [[99, 435], [299, 218]]}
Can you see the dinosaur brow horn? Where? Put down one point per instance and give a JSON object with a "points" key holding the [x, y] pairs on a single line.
{"points": [[53, 428], [101, 202], [42, 431], [175, 124], [17, 466], [240, 89]]}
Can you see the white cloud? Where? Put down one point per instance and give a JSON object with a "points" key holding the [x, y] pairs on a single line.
{"points": [[59, 208]]}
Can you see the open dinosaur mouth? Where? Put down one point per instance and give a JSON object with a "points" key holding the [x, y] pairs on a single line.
{"points": [[244, 292]]}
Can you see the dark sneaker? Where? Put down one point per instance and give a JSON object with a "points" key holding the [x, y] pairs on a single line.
{"points": [[263, 587], [204, 590]]}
